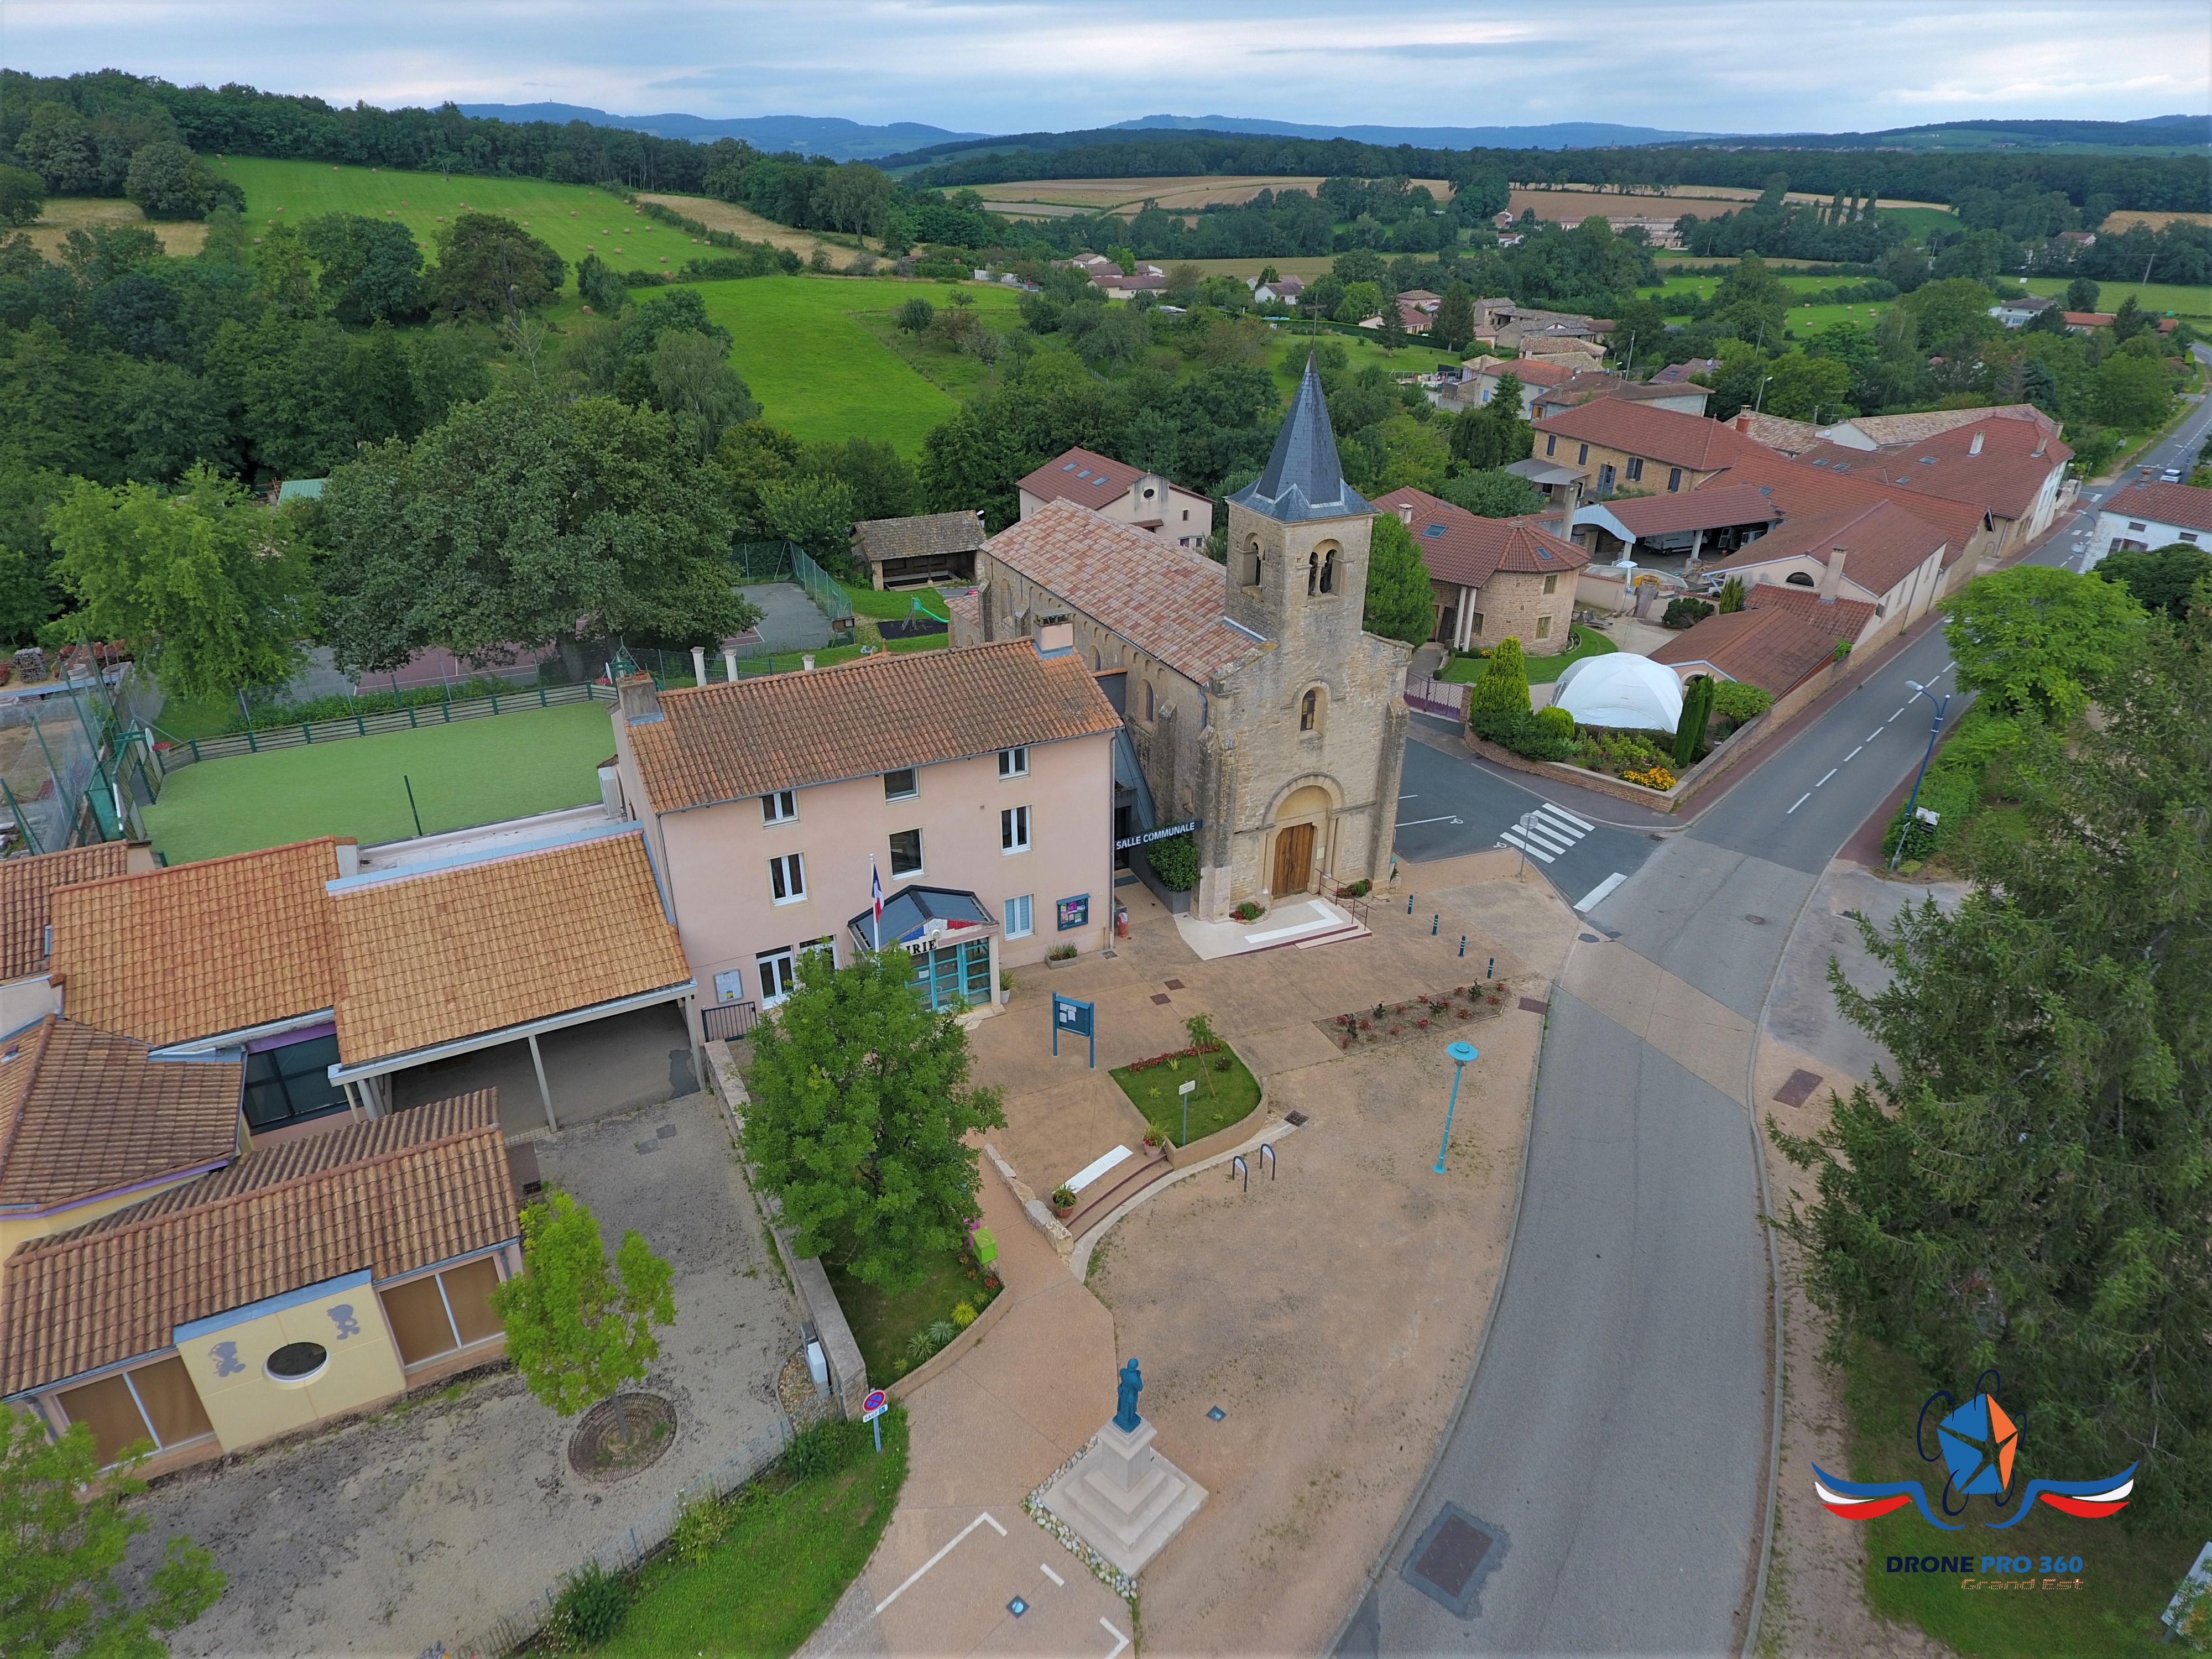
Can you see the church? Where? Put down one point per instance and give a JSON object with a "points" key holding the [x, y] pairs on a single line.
{"points": [[1254, 705]]}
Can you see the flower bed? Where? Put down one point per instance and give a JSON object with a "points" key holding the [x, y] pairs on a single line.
{"points": [[1226, 1091], [1387, 1023]]}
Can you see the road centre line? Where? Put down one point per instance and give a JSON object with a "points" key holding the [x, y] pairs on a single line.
{"points": [[913, 1576], [1847, 759], [1899, 712], [1799, 802], [1050, 1574], [1871, 736], [1829, 774]]}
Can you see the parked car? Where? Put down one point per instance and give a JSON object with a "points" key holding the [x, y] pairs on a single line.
{"points": [[2172, 475]]}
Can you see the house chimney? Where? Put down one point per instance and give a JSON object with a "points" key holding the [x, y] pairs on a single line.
{"points": [[1832, 578], [1406, 513], [1975, 447], [1743, 422], [2042, 440], [1053, 636], [640, 700]]}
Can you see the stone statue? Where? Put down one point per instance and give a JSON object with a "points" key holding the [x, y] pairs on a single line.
{"points": [[1126, 1418]]}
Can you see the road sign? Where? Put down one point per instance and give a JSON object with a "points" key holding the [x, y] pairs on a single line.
{"points": [[874, 1406], [1076, 1019]]}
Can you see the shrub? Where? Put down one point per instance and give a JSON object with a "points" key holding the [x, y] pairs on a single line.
{"points": [[1684, 612], [699, 1528], [592, 1605], [1556, 723], [1525, 733], [963, 1315], [1740, 702], [1174, 861], [816, 1451], [1249, 911], [1504, 687], [1359, 888]]}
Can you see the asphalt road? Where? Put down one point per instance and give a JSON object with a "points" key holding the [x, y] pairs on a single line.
{"points": [[1614, 1439]]}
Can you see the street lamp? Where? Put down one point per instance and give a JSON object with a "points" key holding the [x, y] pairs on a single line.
{"points": [[1461, 1053], [1913, 805], [1761, 398]]}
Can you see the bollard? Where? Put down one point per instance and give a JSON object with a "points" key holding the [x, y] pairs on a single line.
{"points": [[1462, 945], [1492, 972], [1435, 922], [1409, 902]]}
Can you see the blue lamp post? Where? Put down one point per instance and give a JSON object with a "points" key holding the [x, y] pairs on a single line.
{"points": [[1461, 1053], [1935, 731]]}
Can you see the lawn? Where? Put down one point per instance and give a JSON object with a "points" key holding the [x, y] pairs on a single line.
{"points": [[1221, 1097], [889, 605], [573, 220], [791, 1549], [1290, 349], [808, 349], [885, 1323], [2182, 300], [1581, 642], [2129, 1574], [476, 772]]}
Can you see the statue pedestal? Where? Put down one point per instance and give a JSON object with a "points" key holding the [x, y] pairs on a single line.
{"points": [[1123, 1497]]}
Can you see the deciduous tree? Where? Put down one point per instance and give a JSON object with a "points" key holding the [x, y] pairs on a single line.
{"points": [[577, 1331], [861, 1105], [371, 272], [168, 181], [22, 195], [2161, 578], [491, 269], [67, 1526], [2040, 640]]}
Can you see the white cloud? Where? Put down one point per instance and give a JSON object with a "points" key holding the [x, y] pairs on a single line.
{"points": [[1012, 66]]}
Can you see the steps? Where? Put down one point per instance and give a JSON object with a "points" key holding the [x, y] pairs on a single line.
{"points": [[1103, 1196]]}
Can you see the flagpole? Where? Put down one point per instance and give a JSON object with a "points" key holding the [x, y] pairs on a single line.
{"points": [[876, 898]]}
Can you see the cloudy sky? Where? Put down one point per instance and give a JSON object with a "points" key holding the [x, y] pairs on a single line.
{"points": [[1013, 65]]}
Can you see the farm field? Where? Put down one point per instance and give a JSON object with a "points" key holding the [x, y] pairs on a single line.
{"points": [[717, 215], [1573, 206], [573, 219], [476, 772], [807, 346], [64, 214], [2183, 302], [2115, 223], [1184, 191], [1308, 265]]}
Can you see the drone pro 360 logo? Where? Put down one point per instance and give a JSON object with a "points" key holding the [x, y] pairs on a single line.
{"points": [[1976, 1442]]}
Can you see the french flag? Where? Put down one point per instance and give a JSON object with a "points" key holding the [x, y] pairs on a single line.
{"points": [[876, 898]]}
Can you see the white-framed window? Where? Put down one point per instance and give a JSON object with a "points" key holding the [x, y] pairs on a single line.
{"points": [[1014, 763], [787, 879], [780, 807], [906, 852], [823, 949], [779, 974], [1019, 914], [901, 785], [1014, 830]]}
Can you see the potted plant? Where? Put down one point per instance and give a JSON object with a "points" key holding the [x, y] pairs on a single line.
{"points": [[1060, 956], [1153, 1140], [1063, 1201], [1249, 911]]}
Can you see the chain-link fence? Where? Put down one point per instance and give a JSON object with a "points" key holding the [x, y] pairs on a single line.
{"points": [[57, 783], [627, 1550]]}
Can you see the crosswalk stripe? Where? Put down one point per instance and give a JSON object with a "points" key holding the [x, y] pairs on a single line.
{"points": [[1557, 839], [1512, 840], [1562, 812]]}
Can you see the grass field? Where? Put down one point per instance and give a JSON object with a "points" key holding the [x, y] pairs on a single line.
{"points": [[808, 347], [573, 220], [64, 214], [2127, 1573], [1183, 191], [717, 214], [2182, 302], [791, 1549], [477, 772], [1290, 351]]}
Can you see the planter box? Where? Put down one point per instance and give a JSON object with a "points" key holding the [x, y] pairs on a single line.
{"points": [[1178, 904], [1061, 962]]}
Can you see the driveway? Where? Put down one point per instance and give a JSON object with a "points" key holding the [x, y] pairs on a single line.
{"points": [[430, 1522]]}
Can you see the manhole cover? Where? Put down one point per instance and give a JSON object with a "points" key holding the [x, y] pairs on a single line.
{"points": [[1756, 921], [1451, 1558], [1173, 984], [1296, 1120], [1798, 1089], [612, 1444], [1160, 997], [665, 1132]]}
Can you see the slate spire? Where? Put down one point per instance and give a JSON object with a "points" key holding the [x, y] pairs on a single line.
{"points": [[1303, 478]]}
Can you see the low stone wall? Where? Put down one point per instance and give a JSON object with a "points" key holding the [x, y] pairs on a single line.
{"points": [[1039, 1212], [848, 1372], [951, 1354]]}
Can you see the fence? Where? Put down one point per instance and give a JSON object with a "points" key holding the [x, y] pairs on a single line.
{"points": [[185, 752], [54, 744], [627, 1550], [1436, 697], [779, 561], [726, 1022]]}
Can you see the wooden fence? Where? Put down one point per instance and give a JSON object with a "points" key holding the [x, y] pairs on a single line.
{"points": [[185, 752]]}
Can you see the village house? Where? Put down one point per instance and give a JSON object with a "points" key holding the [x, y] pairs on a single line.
{"points": [[919, 551], [1257, 707], [1580, 388], [1879, 555], [1694, 524], [1128, 495], [1788, 651], [975, 786], [1491, 578], [2148, 514], [1798, 490], [1611, 444], [2010, 463], [2016, 310]]}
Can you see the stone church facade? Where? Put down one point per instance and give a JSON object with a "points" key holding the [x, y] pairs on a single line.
{"points": [[1253, 701]]}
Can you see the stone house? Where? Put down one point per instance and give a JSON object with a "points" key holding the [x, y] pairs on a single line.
{"points": [[1880, 555], [1619, 445], [1255, 705], [1492, 577], [1125, 494], [2148, 514]]}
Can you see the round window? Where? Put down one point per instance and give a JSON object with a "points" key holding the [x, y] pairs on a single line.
{"points": [[295, 1362]]}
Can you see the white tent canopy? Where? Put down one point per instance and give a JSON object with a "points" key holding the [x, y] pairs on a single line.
{"points": [[1620, 689]]}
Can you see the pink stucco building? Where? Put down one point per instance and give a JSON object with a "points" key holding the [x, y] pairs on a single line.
{"points": [[978, 785]]}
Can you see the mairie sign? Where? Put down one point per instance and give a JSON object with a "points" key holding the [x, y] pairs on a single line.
{"points": [[1127, 842]]}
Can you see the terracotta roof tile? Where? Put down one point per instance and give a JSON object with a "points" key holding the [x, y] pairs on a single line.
{"points": [[1848, 618], [401, 1193], [1774, 650], [2185, 505], [965, 612], [199, 949], [1084, 476], [1785, 437], [733, 740], [1166, 600], [1891, 431], [426, 959], [1458, 546], [85, 1112], [1666, 435], [2016, 460], [27, 888], [1800, 491], [919, 537], [1710, 508], [1882, 543]]}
